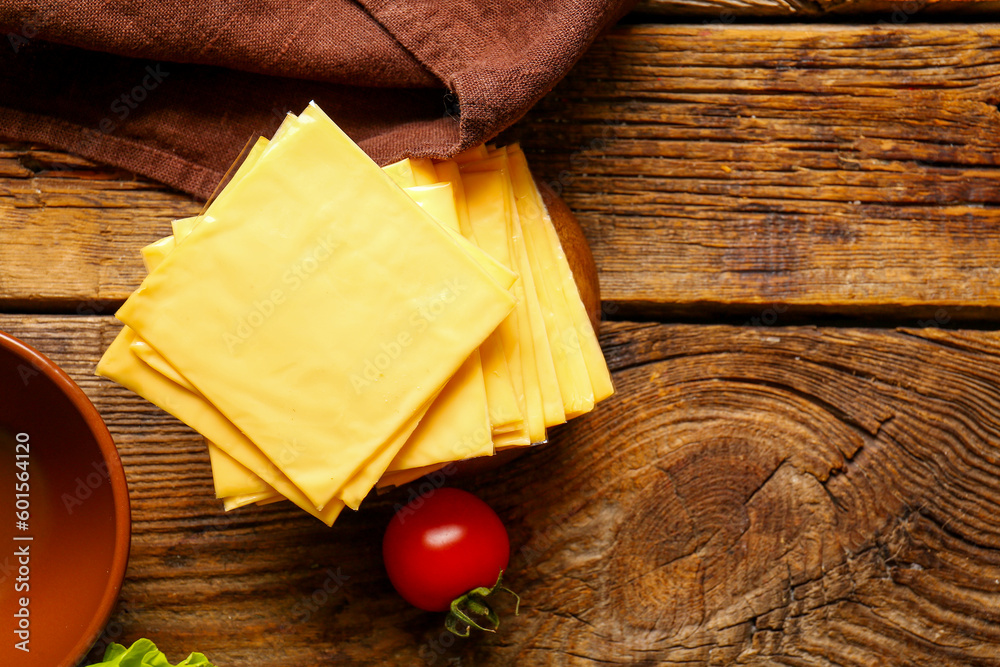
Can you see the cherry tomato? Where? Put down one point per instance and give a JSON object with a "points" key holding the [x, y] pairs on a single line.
{"points": [[442, 545]]}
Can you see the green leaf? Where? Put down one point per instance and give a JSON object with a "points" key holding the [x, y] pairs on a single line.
{"points": [[143, 653]]}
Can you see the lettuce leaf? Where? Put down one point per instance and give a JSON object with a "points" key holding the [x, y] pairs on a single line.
{"points": [[143, 653]]}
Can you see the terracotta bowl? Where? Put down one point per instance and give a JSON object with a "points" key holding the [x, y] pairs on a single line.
{"points": [[60, 570]]}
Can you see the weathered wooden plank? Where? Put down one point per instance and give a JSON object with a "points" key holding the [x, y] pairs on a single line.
{"points": [[752, 496], [70, 230], [847, 169], [890, 11], [716, 170]]}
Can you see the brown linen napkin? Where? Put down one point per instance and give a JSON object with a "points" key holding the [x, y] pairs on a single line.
{"points": [[174, 90]]}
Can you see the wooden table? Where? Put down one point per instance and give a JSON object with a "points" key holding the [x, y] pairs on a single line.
{"points": [[797, 227]]}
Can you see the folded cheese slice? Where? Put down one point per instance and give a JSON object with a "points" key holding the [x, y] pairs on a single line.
{"points": [[258, 307]]}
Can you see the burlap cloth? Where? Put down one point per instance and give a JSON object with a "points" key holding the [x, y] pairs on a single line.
{"points": [[174, 90]]}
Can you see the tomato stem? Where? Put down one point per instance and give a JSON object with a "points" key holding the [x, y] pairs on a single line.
{"points": [[473, 604]]}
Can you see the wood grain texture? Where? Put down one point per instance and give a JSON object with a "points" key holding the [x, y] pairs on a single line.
{"points": [[70, 230], [758, 496], [891, 11], [717, 169], [835, 169]]}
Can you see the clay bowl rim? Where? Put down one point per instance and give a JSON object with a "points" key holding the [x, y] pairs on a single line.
{"points": [[116, 473]]}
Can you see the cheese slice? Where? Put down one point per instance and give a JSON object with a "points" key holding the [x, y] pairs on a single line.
{"points": [[239, 485], [259, 498], [451, 432], [120, 365], [233, 481], [472, 154], [246, 286], [400, 477], [185, 226], [488, 217], [363, 480], [541, 395], [423, 171], [152, 358], [505, 411], [401, 173], [243, 490], [229, 477], [232, 478], [447, 171], [548, 383], [571, 369], [154, 253], [411, 172], [586, 337], [457, 425]]}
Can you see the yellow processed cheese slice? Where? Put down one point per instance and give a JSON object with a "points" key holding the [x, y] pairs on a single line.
{"points": [[411, 172], [363, 480], [484, 193], [152, 256], [401, 477], [541, 392], [586, 337], [229, 477], [233, 481], [120, 365], [154, 253], [451, 432], [152, 358], [456, 427], [452, 427], [571, 369], [457, 424], [548, 383], [472, 154], [240, 489], [423, 171], [401, 173], [185, 226], [315, 222], [242, 500], [447, 171], [505, 412], [438, 199]]}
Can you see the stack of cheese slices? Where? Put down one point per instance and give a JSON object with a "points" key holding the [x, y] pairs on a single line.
{"points": [[330, 326]]}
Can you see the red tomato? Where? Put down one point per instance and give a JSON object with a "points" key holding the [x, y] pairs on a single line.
{"points": [[442, 545]]}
